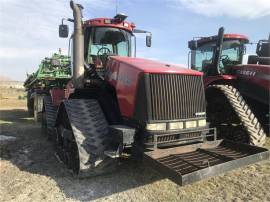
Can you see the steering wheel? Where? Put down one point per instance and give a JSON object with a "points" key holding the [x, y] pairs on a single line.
{"points": [[225, 59], [102, 54]]}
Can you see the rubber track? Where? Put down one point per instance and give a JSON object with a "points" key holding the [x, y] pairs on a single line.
{"points": [[256, 134], [51, 112], [90, 129]]}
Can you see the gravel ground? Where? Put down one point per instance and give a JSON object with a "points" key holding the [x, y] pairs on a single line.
{"points": [[29, 171]]}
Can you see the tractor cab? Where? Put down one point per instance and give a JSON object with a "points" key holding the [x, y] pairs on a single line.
{"points": [[105, 37], [215, 55], [102, 42]]}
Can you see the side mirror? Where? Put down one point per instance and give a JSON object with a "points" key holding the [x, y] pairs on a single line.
{"points": [[148, 40], [63, 31], [192, 45]]}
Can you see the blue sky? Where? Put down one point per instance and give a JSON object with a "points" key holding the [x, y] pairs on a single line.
{"points": [[29, 28]]}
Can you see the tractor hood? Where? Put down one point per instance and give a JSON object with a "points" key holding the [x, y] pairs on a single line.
{"points": [[151, 66], [131, 77]]}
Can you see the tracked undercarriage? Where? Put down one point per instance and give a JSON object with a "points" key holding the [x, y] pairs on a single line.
{"points": [[83, 137], [234, 119]]}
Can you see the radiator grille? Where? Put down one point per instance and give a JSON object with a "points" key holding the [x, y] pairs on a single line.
{"points": [[176, 96]]}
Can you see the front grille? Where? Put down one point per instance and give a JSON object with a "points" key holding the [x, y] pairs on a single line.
{"points": [[176, 96]]}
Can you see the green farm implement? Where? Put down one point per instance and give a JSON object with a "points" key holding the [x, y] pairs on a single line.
{"points": [[53, 72]]}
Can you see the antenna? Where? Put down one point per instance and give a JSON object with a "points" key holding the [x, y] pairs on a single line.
{"points": [[116, 6]]}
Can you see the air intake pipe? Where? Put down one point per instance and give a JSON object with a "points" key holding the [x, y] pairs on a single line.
{"points": [[78, 46]]}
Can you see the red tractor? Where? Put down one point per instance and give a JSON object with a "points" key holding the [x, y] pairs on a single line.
{"points": [[118, 105], [233, 88]]}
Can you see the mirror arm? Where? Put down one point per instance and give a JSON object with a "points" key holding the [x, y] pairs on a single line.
{"points": [[67, 19], [140, 31], [135, 54], [189, 53], [70, 20], [63, 20], [148, 34]]}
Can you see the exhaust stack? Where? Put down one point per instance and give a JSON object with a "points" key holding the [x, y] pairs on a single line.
{"points": [[218, 50], [78, 46]]}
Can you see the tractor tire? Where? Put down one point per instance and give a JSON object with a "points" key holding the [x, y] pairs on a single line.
{"points": [[82, 138], [48, 118], [37, 116], [30, 104], [30, 111], [38, 106], [237, 105]]}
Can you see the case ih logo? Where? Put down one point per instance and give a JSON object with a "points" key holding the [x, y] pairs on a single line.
{"points": [[246, 72]]}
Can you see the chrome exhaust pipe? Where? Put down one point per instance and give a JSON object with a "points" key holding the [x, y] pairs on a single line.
{"points": [[78, 46]]}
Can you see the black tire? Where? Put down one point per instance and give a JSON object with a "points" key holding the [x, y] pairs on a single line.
{"points": [[37, 116], [38, 106], [234, 104], [30, 104], [82, 138], [48, 118], [30, 112]]}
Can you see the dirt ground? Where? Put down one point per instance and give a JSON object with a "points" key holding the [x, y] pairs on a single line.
{"points": [[29, 171]]}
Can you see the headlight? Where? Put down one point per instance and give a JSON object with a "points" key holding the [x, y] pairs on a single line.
{"points": [[156, 126], [176, 125], [191, 124], [202, 123]]}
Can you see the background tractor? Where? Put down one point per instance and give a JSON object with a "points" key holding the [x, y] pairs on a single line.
{"points": [[254, 81], [53, 72], [235, 92], [118, 105]]}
